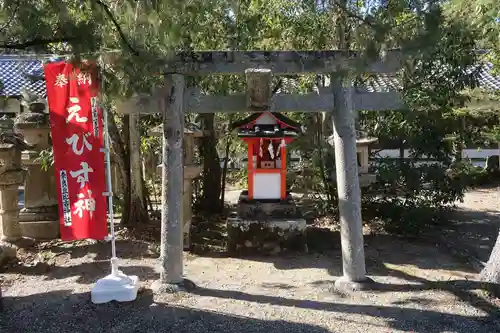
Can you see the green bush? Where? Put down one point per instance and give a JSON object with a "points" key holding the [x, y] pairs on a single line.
{"points": [[409, 198]]}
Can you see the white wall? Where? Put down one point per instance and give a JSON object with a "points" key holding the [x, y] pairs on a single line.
{"points": [[394, 153], [466, 153]]}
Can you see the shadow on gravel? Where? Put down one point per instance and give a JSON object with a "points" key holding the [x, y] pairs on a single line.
{"points": [[87, 273], [398, 318], [379, 249], [472, 233], [101, 250], [65, 312], [56, 260]]}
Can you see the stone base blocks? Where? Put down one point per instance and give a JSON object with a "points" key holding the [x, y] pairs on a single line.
{"points": [[266, 227]]}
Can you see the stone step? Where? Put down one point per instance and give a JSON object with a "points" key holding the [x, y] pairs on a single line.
{"points": [[267, 210]]}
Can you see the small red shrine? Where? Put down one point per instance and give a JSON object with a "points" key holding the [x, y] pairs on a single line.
{"points": [[267, 134]]}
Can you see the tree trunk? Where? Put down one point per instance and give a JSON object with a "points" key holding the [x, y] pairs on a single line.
{"points": [[459, 142], [120, 146], [329, 189], [138, 204], [491, 273], [211, 167], [224, 172], [324, 126], [401, 159]]}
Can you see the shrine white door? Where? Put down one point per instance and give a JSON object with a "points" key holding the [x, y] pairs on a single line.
{"points": [[267, 186]]}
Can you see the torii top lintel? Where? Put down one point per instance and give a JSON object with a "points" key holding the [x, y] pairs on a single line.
{"points": [[281, 62]]}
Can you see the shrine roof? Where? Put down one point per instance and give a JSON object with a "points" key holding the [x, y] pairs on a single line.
{"points": [[254, 116], [487, 80], [17, 73], [268, 131], [388, 82]]}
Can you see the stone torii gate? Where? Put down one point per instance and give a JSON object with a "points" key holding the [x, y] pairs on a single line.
{"points": [[173, 100]]}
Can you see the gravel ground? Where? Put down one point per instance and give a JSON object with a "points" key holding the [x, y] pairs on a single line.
{"points": [[422, 289], [477, 222]]}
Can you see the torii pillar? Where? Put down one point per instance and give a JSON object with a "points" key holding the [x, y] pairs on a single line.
{"points": [[172, 222], [348, 189]]}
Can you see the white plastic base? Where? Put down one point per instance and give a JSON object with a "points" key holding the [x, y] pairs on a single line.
{"points": [[119, 287]]}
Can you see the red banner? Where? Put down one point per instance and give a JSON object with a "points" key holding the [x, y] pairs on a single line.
{"points": [[77, 140]]}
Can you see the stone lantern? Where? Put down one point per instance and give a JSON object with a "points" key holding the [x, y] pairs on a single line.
{"points": [[39, 217], [191, 171], [11, 177], [362, 150]]}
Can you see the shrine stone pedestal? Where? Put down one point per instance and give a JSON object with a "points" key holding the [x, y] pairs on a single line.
{"points": [[39, 217], [265, 226]]}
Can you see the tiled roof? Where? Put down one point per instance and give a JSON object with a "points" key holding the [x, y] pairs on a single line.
{"points": [[487, 80], [388, 82], [17, 73], [380, 83]]}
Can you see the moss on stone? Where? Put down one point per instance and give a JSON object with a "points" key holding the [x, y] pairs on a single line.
{"points": [[268, 237]]}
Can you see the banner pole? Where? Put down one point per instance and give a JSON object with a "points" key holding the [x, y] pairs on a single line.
{"points": [[111, 217], [107, 157], [116, 286]]}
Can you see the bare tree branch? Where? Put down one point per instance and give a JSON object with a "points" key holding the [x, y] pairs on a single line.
{"points": [[351, 14], [36, 42], [110, 15], [14, 14]]}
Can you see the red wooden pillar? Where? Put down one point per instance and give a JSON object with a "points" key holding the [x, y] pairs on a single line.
{"points": [[283, 172], [251, 171]]}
